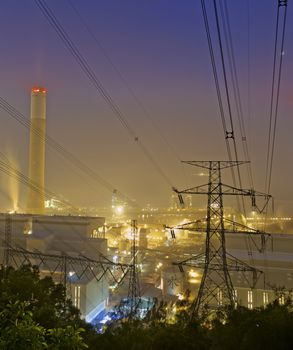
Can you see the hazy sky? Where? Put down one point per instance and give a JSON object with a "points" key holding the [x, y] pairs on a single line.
{"points": [[160, 49]]}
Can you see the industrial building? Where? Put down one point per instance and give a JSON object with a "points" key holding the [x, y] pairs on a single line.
{"points": [[72, 236], [275, 262], [89, 296]]}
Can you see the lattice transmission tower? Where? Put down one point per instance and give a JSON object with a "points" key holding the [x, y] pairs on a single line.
{"points": [[134, 287], [61, 267], [216, 288]]}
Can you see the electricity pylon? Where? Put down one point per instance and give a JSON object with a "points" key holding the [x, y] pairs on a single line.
{"points": [[133, 288], [216, 288], [63, 266]]}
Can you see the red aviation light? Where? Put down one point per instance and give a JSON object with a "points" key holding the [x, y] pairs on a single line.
{"points": [[39, 89]]}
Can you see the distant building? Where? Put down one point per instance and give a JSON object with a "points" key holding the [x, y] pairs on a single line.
{"points": [[276, 262], [73, 236], [89, 296]]}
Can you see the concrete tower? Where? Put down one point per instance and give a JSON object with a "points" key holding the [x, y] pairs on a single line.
{"points": [[35, 203]]}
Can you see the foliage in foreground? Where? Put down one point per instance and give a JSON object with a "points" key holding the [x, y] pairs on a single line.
{"points": [[45, 299], [35, 314], [269, 328], [18, 330]]}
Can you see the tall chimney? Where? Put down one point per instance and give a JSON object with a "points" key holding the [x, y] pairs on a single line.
{"points": [[36, 196]]}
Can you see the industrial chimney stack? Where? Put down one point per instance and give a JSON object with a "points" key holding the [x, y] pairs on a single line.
{"points": [[36, 195]]}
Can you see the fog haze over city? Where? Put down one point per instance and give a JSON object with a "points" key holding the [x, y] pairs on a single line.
{"points": [[157, 52]]}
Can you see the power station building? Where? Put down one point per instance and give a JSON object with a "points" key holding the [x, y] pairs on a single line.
{"points": [[54, 235], [275, 262], [72, 236], [36, 196]]}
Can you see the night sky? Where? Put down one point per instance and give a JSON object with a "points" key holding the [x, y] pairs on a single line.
{"points": [[160, 49]]}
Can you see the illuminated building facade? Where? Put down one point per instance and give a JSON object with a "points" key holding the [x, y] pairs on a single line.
{"points": [[67, 235], [275, 281]]}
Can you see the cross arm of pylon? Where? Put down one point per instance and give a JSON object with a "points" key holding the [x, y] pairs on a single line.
{"points": [[200, 226], [234, 191], [207, 164], [227, 190], [233, 264], [197, 225], [240, 228], [194, 261], [201, 189]]}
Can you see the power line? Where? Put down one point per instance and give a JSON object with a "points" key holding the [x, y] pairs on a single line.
{"points": [[7, 169], [235, 85], [238, 104], [232, 132], [88, 71], [4, 193], [228, 133], [215, 74], [70, 157], [275, 91], [248, 63], [124, 81]]}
